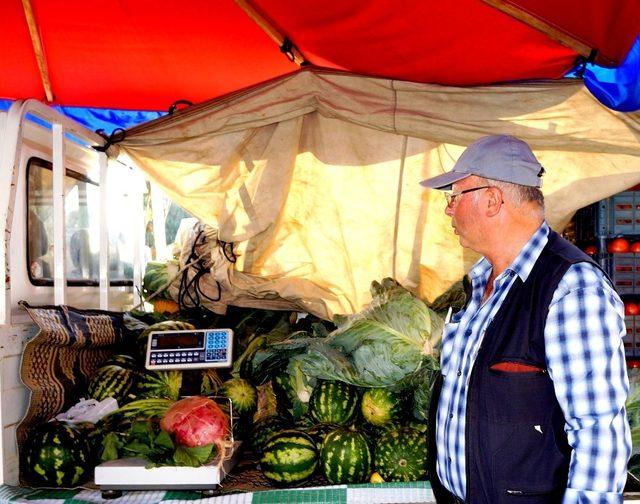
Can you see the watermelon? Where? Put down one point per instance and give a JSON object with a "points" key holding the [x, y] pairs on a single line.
{"points": [[305, 422], [401, 455], [112, 381], [289, 458], [265, 429], [167, 325], [345, 456], [282, 389], [122, 360], [243, 395], [156, 276], [244, 399], [56, 454], [292, 391], [158, 384], [319, 431], [333, 402], [381, 406], [422, 427]]}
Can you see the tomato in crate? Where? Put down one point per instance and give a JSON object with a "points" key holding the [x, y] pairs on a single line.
{"points": [[618, 245]]}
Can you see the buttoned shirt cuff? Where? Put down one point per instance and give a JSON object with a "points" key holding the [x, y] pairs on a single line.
{"points": [[573, 496]]}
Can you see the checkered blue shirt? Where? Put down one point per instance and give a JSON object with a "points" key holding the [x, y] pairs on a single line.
{"points": [[585, 359]]}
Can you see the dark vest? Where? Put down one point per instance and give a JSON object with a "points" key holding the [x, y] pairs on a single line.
{"points": [[516, 447]]}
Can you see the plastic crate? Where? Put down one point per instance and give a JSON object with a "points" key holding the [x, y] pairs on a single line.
{"points": [[624, 271], [632, 339], [619, 215], [586, 226]]}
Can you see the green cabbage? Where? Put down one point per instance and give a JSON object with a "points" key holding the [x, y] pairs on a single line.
{"points": [[378, 346]]}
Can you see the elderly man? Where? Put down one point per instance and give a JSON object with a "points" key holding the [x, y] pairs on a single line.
{"points": [[530, 404]]}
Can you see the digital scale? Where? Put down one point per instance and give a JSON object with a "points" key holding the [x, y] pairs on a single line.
{"points": [[190, 349], [195, 349], [116, 476]]}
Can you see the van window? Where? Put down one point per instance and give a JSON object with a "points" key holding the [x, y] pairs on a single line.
{"points": [[82, 230]]}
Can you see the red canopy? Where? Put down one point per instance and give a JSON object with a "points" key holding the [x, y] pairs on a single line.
{"points": [[147, 54]]}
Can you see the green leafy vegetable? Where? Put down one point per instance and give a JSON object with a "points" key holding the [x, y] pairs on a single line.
{"points": [[111, 446], [454, 298], [194, 456], [378, 346], [147, 440], [260, 360], [420, 384]]}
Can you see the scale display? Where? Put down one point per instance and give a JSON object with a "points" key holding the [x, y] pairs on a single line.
{"points": [[196, 349]]}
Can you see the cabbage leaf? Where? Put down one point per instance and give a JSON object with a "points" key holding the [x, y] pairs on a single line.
{"points": [[378, 346]]}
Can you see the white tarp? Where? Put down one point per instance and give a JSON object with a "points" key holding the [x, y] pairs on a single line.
{"points": [[314, 176]]}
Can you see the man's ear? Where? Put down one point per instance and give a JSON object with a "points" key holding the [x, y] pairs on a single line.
{"points": [[494, 201]]}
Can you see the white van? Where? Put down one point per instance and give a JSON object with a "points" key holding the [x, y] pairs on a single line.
{"points": [[74, 235]]}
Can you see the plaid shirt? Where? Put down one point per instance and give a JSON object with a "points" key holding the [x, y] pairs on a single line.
{"points": [[585, 359]]}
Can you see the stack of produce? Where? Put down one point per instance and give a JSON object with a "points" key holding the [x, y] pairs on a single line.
{"points": [[61, 454], [349, 433], [346, 400], [188, 432], [351, 400]]}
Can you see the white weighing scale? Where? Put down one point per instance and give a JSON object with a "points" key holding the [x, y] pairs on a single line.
{"points": [[191, 349], [196, 349], [115, 476]]}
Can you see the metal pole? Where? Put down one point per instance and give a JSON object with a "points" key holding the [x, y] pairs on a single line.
{"points": [[104, 232], [59, 232]]}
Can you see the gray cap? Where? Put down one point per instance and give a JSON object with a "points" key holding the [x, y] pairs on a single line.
{"points": [[496, 157]]}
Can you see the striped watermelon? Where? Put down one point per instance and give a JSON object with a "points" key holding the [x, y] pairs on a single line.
{"points": [[333, 402], [381, 406], [289, 458], [56, 454], [292, 392], [305, 422], [122, 360], [158, 384], [243, 395], [345, 456], [112, 381], [319, 431], [401, 455], [265, 429]]}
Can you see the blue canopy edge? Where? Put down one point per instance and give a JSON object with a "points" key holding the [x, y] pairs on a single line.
{"points": [[104, 119], [617, 88]]}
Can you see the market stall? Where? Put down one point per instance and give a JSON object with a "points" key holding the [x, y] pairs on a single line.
{"points": [[330, 269]]}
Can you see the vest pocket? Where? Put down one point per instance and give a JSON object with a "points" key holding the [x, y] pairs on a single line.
{"points": [[527, 465], [519, 397], [513, 496]]}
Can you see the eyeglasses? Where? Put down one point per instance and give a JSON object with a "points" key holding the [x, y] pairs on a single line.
{"points": [[451, 196]]}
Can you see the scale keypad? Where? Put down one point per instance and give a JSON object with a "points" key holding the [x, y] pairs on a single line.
{"points": [[173, 357]]}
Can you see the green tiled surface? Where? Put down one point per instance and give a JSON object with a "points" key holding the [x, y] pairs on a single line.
{"points": [[303, 496], [418, 492]]}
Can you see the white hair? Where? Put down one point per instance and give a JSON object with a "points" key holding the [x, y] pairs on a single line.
{"points": [[517, 194]]}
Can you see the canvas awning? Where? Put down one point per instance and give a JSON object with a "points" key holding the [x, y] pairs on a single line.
{"points": [[314, 176]]}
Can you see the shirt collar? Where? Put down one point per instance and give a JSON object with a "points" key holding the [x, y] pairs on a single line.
{"points": [[524, 262]]}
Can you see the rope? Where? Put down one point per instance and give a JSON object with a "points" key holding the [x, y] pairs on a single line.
{"points": [[160, 289], [117, 135], [190, 289]]}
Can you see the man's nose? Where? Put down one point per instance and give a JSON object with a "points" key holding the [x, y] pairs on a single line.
{"points": [[448, 210]]}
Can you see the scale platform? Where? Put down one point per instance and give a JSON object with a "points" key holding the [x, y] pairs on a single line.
{"points": [[131, 474]]}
